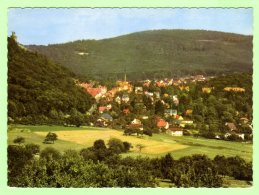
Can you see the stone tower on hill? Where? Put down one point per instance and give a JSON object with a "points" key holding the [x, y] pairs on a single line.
{"points": [[13, 36]]}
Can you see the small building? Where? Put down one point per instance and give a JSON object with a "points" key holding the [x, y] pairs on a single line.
{"points": [[186, 122], [199, 78], [125, 98], [149, 94], [157, 95], [161, 123], [145, 117], [136, 121], [240, 135], [146, 83], [206, 89], [188, 112], [102, 109], [126, 111], [118, 99], [124, 86], [175, 131], [175, 100], [160, 83], [104, 120], [243, 120], [234, 89], [184, 88], [178, 117], [135, 126], [138, 90], [168, 112], [231, 126]]}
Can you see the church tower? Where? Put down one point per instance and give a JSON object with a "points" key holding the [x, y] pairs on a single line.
{"points": [[125, 75], [13, 36]]}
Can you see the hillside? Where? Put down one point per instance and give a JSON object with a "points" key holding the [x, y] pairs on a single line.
{"points": [[40, 90], [156, 53]]}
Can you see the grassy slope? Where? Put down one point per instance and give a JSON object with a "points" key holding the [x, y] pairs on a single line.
{"points": [[190, 145], [168, 50], [210, 147]]}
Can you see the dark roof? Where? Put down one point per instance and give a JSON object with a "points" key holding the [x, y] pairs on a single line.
{"points": [[134, 126], [107, 116], [175, 129]]}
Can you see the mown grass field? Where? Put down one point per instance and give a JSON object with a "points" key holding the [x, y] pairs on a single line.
{"points": [[157, 145]]}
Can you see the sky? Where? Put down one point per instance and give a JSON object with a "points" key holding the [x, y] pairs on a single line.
{"points": [[42, 26]]}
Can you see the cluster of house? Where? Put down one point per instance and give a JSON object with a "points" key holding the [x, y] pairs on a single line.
{"points": [[176, 82], [181, 82], [172, 123], [101, 91], [96, 92], [233, 130]]}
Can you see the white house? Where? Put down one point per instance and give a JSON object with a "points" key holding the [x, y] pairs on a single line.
{"points": [[175, 131], [136, 121]]}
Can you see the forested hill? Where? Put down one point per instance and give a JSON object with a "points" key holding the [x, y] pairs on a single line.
{"points": [[40, 90], [155, 53]]}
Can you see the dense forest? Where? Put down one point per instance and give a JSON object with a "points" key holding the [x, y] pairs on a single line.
{"points": [[40, 91], [154, 54], [102, 166]]}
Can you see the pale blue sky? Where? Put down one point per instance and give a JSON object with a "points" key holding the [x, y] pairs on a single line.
{"points": [[46, 26]]}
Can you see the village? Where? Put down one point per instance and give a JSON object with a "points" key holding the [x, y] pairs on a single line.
{"points": [[154, 106]]}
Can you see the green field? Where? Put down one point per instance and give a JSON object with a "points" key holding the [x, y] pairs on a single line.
{"points": [[157, 145]]}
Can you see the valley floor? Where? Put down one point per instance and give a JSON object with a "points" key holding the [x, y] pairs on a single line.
{"points": [[157, 145]]}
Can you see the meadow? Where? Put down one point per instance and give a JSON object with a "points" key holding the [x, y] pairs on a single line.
{"points": [[158, 145]]}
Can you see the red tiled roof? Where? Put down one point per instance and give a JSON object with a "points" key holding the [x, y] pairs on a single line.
{"points": [[161, 123], [102, 108], [94, 91], [126, 110]]}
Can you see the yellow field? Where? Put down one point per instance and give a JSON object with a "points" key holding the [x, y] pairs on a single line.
{"points": [[88, 137]]}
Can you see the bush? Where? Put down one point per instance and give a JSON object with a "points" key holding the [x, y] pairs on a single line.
{"points": [[116, 145], [19, 140], [208, 134], [127, 146], [148, 132], [50, 153]]}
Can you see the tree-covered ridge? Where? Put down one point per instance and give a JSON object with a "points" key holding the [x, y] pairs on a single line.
{"points": [[155, 53], [40, 90]]}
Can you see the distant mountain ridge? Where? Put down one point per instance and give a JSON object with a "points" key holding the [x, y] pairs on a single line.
{"points": [[156, 52]]}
